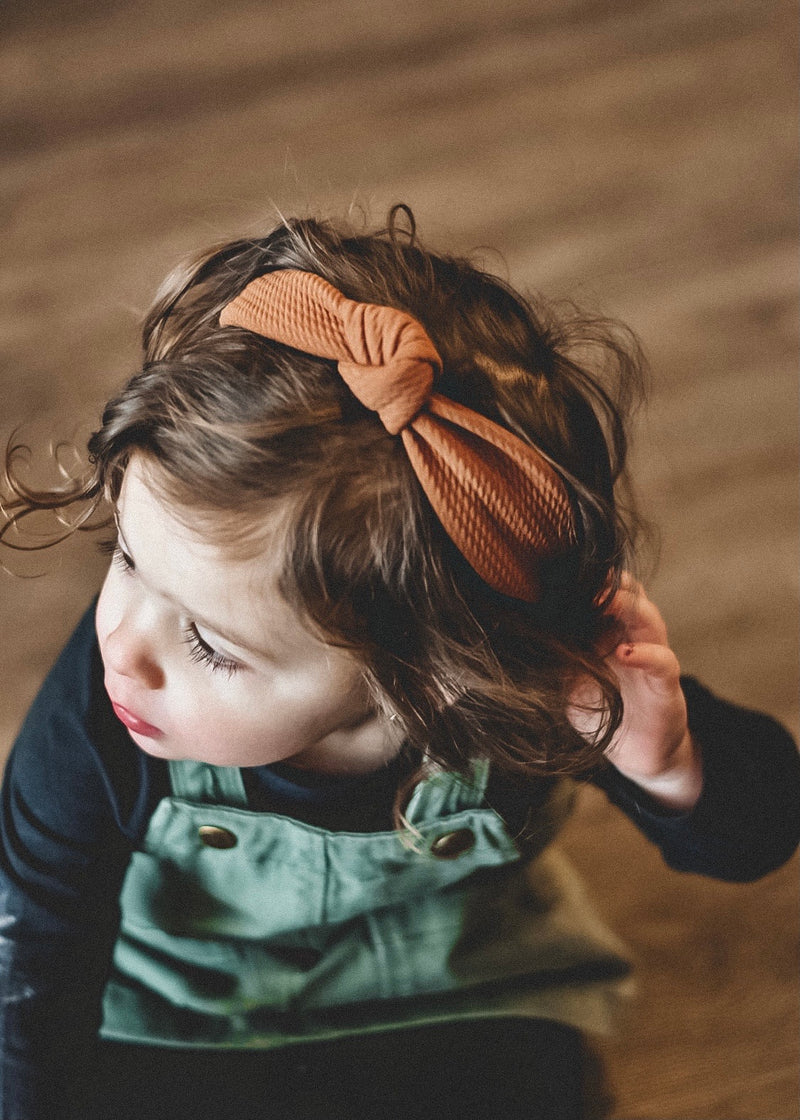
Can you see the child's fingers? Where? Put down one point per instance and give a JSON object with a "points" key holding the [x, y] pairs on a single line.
{"points": [[657, 661], [639, 616]]}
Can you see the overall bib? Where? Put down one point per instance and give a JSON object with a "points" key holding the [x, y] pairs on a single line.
{"points": [[251, 929]]}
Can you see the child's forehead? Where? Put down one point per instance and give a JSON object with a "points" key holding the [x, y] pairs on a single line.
{"points": [[244, 533]]}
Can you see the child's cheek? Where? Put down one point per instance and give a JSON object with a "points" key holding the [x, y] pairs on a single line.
{"points": [[103, 623]]}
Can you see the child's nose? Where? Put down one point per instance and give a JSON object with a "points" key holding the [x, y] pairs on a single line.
{"points": [[129, 651]]}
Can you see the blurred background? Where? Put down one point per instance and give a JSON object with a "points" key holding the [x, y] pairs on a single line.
{"points": [[638, 156]]}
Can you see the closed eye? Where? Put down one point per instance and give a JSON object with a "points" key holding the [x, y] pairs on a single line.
{"points": [[204, 654], [118, 556]]}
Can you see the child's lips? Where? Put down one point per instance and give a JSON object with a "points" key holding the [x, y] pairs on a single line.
{"points": [[135, 723]]}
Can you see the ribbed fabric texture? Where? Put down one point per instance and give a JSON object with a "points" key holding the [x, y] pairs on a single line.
{"points": [[499, 500]]}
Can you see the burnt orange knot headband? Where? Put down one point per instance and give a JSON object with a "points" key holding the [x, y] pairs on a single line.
{"points": [[498, 499]]}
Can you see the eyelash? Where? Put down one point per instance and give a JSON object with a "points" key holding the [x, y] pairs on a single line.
{"points": [[111, 548], [199, 651], [202, 653]]}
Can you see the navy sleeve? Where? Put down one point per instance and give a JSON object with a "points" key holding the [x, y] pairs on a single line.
{"points": [[747, 820], [65, 842]]}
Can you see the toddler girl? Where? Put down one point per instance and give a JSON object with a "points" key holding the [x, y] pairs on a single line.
{"points": [[276, 834]]}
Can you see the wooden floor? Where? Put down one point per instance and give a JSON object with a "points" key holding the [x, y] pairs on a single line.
{"points": [[638, 155]]}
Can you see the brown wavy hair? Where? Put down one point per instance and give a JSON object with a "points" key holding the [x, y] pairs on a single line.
{"points": [[238, 424]]}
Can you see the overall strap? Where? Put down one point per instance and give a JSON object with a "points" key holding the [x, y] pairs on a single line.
{"points": [[199, 781], [476, 785], [444, 793]]}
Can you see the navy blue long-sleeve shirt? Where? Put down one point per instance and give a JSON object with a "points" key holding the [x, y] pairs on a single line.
{"points": [[78, 796]]}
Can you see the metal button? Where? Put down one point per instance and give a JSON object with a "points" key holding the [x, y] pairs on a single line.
{"points": [[215, 837], [453, 844]]}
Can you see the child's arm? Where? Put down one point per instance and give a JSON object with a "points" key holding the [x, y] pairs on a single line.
{"points": [[716, 786], [746, 821], [62, 858]]}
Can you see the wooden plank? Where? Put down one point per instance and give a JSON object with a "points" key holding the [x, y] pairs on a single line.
{"points": [[639, 156]]}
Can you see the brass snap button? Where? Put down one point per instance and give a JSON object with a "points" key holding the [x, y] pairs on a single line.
{"points": [[453, 844], [215, 837]]}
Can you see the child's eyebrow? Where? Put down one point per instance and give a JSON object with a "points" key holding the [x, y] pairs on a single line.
{"points": [[207, 624]]}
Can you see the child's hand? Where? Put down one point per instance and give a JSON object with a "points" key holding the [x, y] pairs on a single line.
{"points": [[653, 746]]}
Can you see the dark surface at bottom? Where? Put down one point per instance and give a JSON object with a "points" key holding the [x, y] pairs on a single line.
{"points": [[508, 1069]]}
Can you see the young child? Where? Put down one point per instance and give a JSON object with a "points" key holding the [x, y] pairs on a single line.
{"points": [[276, 834]]}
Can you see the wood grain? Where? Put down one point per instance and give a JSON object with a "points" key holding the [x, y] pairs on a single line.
{"points": [[639, 156]]}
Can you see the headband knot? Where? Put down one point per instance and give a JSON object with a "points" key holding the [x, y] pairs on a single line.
{"points": [[499, 499], [385, 355]]}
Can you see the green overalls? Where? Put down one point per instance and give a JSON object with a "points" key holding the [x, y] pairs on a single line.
{"points": [[250, 929]]}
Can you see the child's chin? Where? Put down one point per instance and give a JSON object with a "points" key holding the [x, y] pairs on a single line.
{"points": [[158, 747]]}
